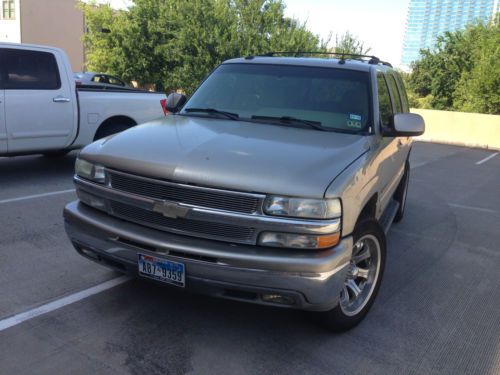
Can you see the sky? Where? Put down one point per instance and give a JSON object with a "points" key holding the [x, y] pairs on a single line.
{"points": [[379, 24]]}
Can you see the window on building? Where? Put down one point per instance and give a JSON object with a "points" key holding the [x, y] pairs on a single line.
{"points": [[29, 70], [9, 10]]}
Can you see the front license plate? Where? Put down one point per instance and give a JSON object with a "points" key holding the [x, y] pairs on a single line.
{"points": [[162, 270]]}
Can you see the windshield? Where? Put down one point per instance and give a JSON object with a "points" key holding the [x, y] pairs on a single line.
{"points": [[334, 99]]}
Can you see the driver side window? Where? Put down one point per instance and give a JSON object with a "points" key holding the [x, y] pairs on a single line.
{"points": [[384, 100]]}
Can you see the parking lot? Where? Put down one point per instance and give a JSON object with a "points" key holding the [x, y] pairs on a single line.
{"points": [[438, 311]]}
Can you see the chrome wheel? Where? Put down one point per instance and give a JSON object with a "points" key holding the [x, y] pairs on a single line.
{"points": [[362, 275]]}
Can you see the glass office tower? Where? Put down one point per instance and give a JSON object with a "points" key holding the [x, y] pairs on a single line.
{"points": [[429, 18]]}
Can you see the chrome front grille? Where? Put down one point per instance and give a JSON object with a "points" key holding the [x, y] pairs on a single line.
{"points": [[213, 230], [191, 195]]}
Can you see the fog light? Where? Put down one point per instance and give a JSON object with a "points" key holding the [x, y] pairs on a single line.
{"points": [[278, 298], [299, 241], [91, 200]]}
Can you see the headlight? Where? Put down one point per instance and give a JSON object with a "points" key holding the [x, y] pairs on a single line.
{"points": [[90, 171], [303, 207]]}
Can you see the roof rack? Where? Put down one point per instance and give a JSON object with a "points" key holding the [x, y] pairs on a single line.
{"points": [[372, 59]]}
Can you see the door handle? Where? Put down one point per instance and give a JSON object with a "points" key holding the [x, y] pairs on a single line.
{"points": [[61, 99]]}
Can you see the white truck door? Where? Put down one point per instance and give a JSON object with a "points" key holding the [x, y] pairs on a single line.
{"points": [[3, 127], [40, 112]]}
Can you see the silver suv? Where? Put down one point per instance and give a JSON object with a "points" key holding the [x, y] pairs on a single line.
{"points": [[275, 183]]}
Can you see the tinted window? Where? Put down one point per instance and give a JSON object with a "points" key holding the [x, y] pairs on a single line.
{"points": [[384, 101], [29, 70], [336, 98], [396, 101], [402, 94], [115, 81]]}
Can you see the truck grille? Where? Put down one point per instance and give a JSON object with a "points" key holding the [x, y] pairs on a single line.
{"points": [[218, 231], [203, 197]]}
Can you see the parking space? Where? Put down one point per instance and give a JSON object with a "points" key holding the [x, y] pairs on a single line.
{"points": [[438, 310]]}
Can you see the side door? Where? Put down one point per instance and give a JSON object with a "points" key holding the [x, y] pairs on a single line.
{"points": [[389, 152], [40, 108]]}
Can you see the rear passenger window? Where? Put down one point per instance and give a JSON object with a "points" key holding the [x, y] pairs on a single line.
{"points": [[29, 70], [384, 100], [396, 100], [402, 94], [115, 81]]}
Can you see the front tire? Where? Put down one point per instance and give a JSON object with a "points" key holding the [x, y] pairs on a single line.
{"points": [[363, 280]]}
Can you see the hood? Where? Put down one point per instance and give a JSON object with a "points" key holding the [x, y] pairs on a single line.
{"points": [[234, 155]]}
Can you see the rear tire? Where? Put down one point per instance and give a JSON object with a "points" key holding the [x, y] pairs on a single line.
{"points": [[109, 129], [401, 193], [56, 154], [362, 283]]}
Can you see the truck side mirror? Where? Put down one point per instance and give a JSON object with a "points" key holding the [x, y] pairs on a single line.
{"points": [[408, 125], [175, 102]]}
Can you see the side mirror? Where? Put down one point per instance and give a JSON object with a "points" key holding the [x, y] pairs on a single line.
{"points": [[175, 102], [408, 125]]}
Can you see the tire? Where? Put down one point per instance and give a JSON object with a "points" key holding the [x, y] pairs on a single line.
{"points": [[365, 273], [56, 154], [109, 129], [401, 193]]}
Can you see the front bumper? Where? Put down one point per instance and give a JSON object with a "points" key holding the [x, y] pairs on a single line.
{"points": [[312, 279]]}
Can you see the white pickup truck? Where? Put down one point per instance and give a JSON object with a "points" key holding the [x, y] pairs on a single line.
{"points": [[43, 112]]}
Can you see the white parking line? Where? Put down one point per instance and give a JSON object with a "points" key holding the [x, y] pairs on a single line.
{"points": [[472, 208], [36, 196], [57, 304], [487, 158]]}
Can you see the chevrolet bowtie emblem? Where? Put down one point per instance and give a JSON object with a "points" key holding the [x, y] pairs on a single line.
{"points": [[170, 209]]}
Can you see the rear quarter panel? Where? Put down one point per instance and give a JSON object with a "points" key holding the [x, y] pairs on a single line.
{"points": [[96, 106]]}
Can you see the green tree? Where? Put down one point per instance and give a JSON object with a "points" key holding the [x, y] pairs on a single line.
{"points": [[349, 43], [175, 44], [461, 72]]}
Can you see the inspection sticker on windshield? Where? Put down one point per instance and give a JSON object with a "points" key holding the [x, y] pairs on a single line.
{"points": [[354, 121]]}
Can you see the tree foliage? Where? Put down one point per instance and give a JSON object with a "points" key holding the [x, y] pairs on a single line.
{"points": [[175, 44], [462, 71], [349, 43]]}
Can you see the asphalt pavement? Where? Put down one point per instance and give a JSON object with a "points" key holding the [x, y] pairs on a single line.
{"points": [[438, 311]]}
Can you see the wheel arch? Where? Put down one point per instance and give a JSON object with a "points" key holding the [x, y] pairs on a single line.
{"points": [[114, 121], [369, 210]]}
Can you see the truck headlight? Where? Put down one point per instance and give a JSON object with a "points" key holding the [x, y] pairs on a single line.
{"points": [[90, 171], [306, 208], [299, 241]]}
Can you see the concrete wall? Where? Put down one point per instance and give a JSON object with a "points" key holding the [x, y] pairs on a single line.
{"points": [[459, 128], [10, 30], [56, 23]]}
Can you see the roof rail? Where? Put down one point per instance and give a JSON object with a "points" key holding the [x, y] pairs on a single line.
{"points": [[372, 59]]}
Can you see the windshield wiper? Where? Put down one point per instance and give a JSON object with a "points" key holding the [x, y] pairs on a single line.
{"points": [[229, 115], [289, 120]]}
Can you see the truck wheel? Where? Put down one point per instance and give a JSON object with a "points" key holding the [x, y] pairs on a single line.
{"points": [[364, 276], [56, 154], [401, 193]]}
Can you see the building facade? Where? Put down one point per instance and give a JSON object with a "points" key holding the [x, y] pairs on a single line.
{"points": [[429, 18], [56, 23]]}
